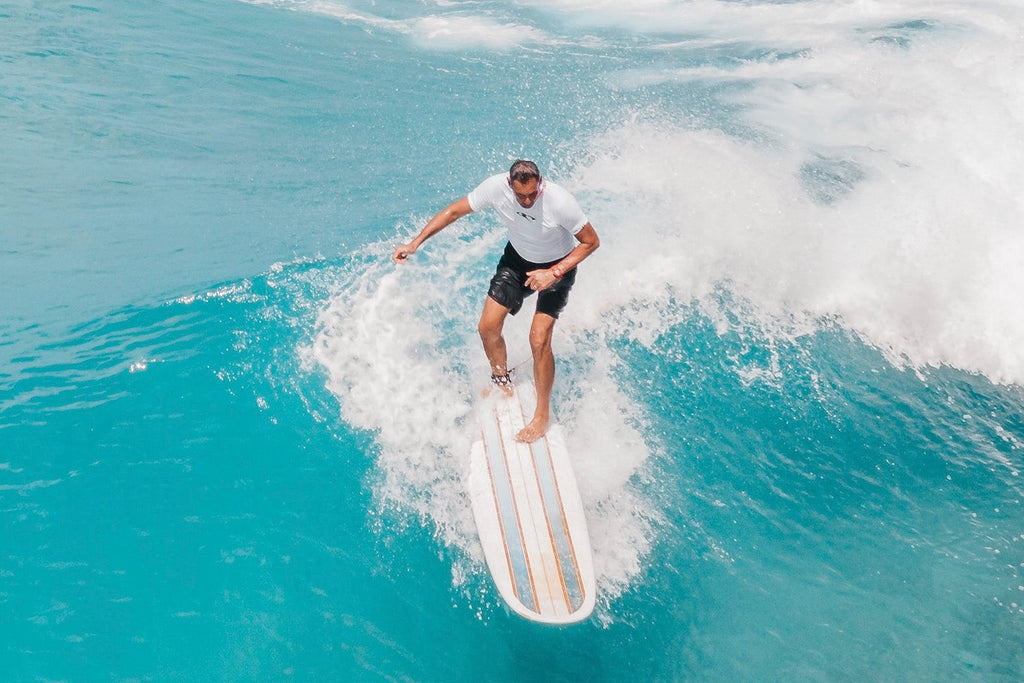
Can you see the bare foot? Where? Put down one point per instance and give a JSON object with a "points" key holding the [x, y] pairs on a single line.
{"points": [[537, 428]]}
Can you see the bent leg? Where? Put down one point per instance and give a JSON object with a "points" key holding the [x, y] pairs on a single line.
{"points": [[492, 321], [541, 331]]}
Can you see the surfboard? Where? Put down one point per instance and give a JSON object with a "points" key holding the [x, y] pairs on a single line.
{"points": [[529, 514]]}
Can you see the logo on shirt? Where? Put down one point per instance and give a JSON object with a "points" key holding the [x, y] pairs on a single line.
{"points": [[526, 215]]}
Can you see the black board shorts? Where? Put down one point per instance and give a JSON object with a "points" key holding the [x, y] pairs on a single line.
{"points": [[508, 286]]}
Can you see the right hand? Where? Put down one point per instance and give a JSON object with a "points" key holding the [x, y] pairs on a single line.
{"points": [[402, 253]]}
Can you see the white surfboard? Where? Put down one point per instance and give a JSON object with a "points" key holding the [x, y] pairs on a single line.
{"points": [[529, 515]]}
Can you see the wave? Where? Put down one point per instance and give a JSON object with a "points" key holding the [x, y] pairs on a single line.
{"points": [[850, 162], [837, 193], [838, 177]]}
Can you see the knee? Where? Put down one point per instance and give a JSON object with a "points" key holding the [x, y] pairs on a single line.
{"points": [[488, 331], [540, 341]]}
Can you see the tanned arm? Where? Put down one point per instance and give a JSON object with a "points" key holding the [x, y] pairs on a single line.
{"points": [[442, 220]]}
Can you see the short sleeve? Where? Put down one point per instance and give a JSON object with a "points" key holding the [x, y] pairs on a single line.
{"points": [[488, 193], [570, 215]]}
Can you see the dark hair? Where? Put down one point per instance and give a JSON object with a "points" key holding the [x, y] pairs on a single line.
{"points": [[523, 170]]}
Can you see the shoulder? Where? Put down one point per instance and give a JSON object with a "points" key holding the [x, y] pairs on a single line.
{"points": [[561, 199], [489, 192], [559, 194], [563, 207]]}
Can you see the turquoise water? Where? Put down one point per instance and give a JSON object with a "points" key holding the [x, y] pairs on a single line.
{"points": [[234, 437]]}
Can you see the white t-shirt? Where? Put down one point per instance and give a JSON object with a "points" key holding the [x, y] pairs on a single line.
{"points": [[544, 232]]}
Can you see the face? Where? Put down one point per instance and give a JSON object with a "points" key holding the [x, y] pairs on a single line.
{"points": [[526, 192]]}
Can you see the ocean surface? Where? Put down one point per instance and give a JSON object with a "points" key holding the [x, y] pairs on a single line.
{"points": [[234, 436]]}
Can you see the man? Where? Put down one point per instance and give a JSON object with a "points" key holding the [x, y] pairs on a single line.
{"points": [[548, 237]]}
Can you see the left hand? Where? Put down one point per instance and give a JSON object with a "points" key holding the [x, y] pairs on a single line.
{"points": [[539, 280]]}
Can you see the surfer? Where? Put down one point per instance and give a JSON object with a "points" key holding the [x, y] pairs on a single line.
{"points": [[548, 236]]}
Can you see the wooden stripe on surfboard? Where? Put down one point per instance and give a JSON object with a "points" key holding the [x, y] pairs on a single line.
{"points": [[558, 526], [543, 565], [511, 526], [498, 512]]}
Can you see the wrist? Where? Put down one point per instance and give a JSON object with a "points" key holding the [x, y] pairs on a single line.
{"points": [[557, 272]]}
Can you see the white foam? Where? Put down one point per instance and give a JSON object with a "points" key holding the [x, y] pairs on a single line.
{"points": [[384, 365], [457, 32], [882, 189], [400, 349], [448, 27], [776, 23]]}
